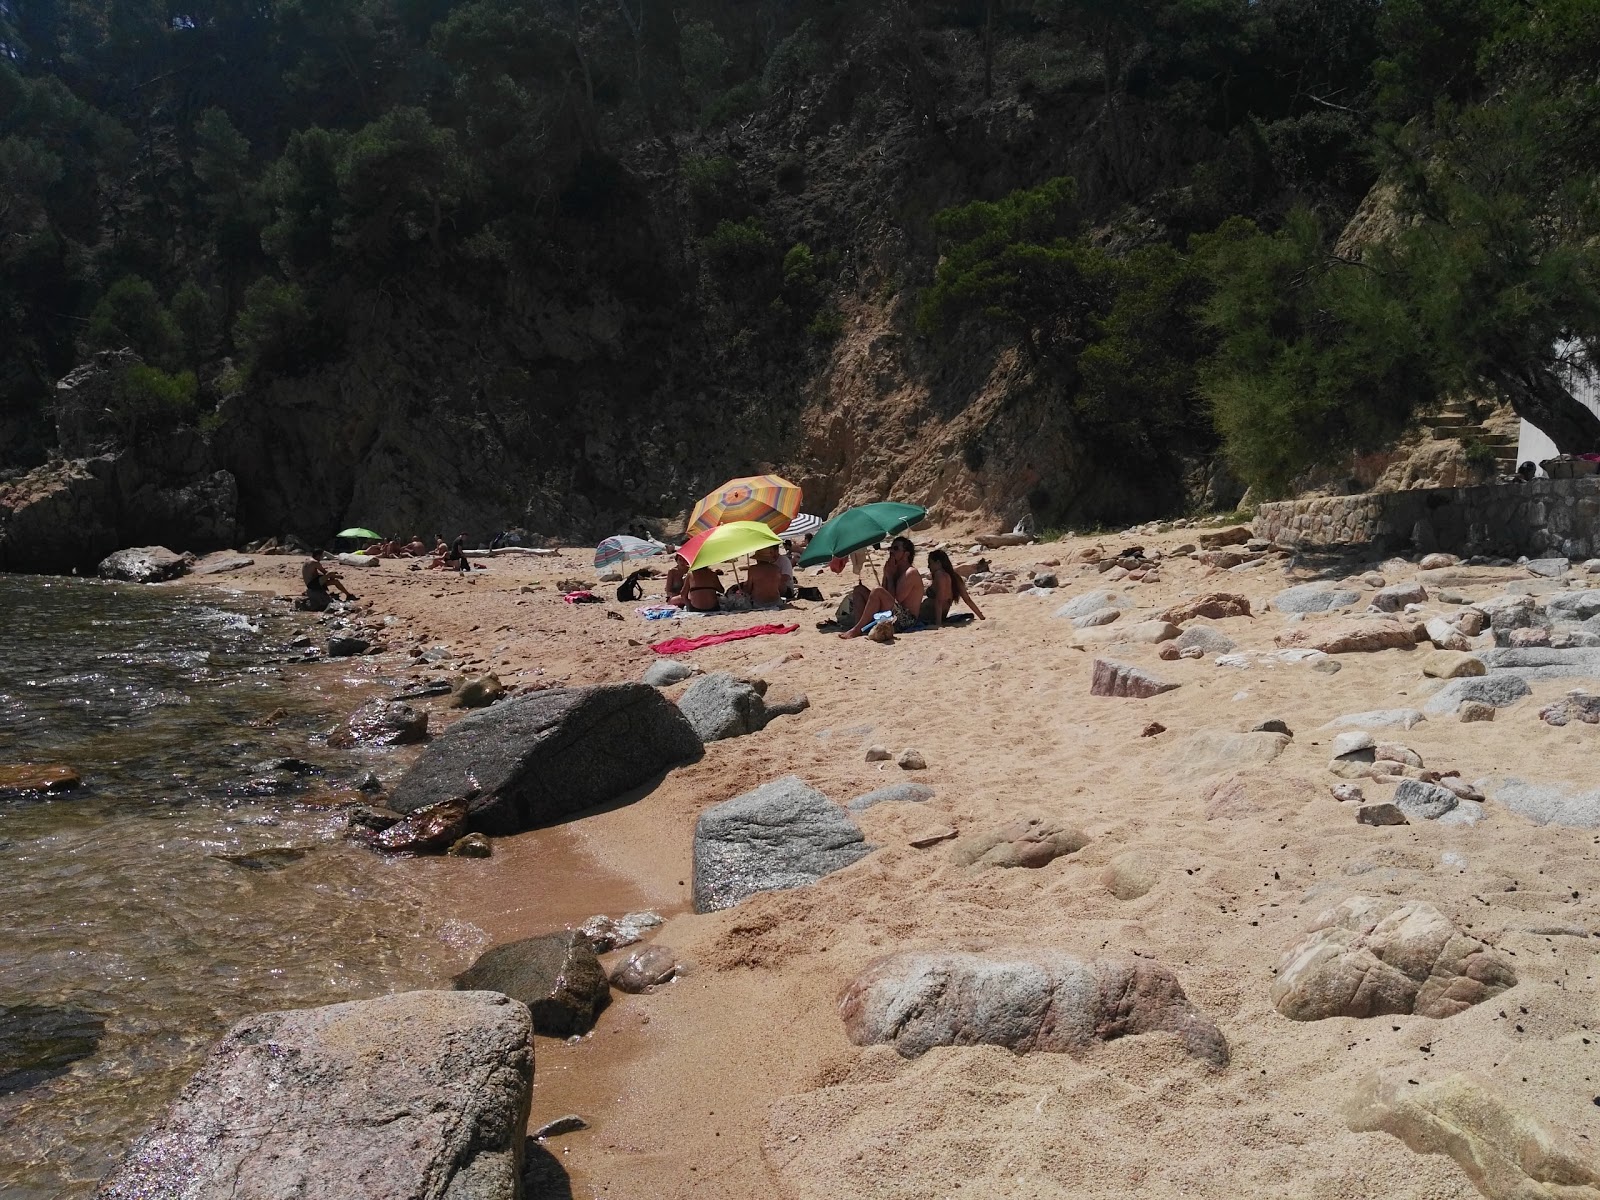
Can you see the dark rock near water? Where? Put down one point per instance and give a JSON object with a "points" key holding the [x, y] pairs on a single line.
{"points": [[541, 758], [474, 845], [645, 968], [720, 706], [429, 830], [612, 933], [570, 1123], [367, 818], [144, 564], [268, 858], [347, 647], [478, 692], [39, 1042], [784, 834], [382, 723], [421, 1094], [1029, 1000], [22, 781], [556, 975]]}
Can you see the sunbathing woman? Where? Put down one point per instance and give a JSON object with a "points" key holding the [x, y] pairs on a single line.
{"points": [[945, 587], [676, 576], [702, 591]]}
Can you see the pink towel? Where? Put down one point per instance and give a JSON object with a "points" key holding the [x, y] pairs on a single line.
{"points": [[684, 645]]}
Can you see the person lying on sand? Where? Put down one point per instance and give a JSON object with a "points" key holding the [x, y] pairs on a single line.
{"points": [[945, 587], [901, 593]]}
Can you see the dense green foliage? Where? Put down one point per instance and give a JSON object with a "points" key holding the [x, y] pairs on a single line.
{"points": [[1143, 196]]}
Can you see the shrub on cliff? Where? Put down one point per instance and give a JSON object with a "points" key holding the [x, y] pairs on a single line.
{"points": [[130, 315], [273, 325]]}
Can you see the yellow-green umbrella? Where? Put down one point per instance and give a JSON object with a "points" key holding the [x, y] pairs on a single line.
{"points": [[726, 541], [769, 499]]}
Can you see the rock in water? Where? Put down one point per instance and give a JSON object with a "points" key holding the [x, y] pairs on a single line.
{"points": [[1033, 1000], [1119, 679], [557, 976], [644, 969], [39, 1042], [427, 830], [612, 933], [667, 672], [1508, 1155], [541, 758], [478, 692], [145, 564], [24, 780], [347, 647], [1025, 842], [473, 845], [720, 706], [782, 835], [1368, 958], [417, 1094], [382, 723]]}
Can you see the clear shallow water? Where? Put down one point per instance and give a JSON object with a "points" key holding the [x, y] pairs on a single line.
{"points": [[114, 903]]}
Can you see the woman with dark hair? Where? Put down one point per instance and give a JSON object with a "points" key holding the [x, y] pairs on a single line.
{"points": [[945, 587]]}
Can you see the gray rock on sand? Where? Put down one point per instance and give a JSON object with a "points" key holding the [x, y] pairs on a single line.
{"points": [[912, 760], [1550, 804], [1081, 606], [1424, 801], [1370, 957], [1538, 663], [1500, 690], [1028, 841], [645, 968], [1548, 568], [1576, 705], [1205, 639], [895, 793], [1380, 718], [543, 757], [1349, 743], [1313, 598], [1452, 664], [221, 564], [720, 705], [1100, 616], [556, 975], [1395, 597], [668, 671], [1475, 710], [1027, 1000], [784, 834], [415, 1094], [1119, 679], [1508, 1154], [144, 564], [1573, 606]]}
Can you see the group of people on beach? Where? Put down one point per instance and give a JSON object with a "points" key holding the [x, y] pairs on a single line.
{"points": [[910, 601], [768, 582], [445, 556]]}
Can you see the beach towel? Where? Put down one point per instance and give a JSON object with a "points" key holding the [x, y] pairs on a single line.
{"points": [[582, 598], [681, 645]]}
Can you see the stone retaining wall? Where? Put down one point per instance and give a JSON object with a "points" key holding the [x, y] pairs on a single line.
{"points": [[1548, 517]]}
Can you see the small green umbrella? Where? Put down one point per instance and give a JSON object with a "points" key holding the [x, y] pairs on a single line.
{"points": [[357, 532], [859, 527]]}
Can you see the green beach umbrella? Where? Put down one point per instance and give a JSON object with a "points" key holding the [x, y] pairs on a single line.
{"points": [[859, 527], [357, 532]]}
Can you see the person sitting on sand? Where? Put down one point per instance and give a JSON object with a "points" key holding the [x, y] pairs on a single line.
{"points": [[763, 582], [320, 582], [702, 591], [456, 559], [945, 587], [900, 595], [416, 547], [676, 576]]}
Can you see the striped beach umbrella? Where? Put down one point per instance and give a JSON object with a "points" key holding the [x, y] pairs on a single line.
{"points": [[803, 524], [765, 498], [620, 550]]}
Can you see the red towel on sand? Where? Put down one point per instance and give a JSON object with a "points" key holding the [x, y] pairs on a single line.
{"points": [[684, 645]]}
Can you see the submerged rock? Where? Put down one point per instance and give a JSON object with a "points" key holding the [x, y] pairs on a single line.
{"points": [[556, 975], [1369, 958], [784, 834], [32, 780], [429, 830], [477, 692], [1029, 1000], [40, 1041], [416, 1094], [268, 858], [382, 723], [544, 757]]}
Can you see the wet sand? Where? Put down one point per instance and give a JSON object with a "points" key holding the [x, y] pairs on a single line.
{"points": [[738, 1079]]}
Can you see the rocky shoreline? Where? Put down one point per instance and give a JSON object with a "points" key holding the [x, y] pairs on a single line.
{"points": [[1100, 813]]}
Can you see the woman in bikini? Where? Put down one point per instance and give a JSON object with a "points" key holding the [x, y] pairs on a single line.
{"points": [[945, 587], [702, 591]]}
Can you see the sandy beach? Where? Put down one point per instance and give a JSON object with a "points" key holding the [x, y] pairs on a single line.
{"points": [[738, 1079]]}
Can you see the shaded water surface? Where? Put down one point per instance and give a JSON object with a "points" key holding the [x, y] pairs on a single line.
{"points": [[128, 942]]}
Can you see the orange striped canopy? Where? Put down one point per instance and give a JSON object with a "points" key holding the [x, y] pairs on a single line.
{"points": [[765, 498]]}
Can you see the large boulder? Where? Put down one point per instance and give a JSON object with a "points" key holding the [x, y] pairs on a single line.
{"points": [[1498, 689], [1506, 1153], [1082, 606], [1313, 597], [1349, 637], [422, 1094], [556, 975], [1369, 958], [1028, 1000], [720, 706], [144, 564], [541, 758], [782, 835]]}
